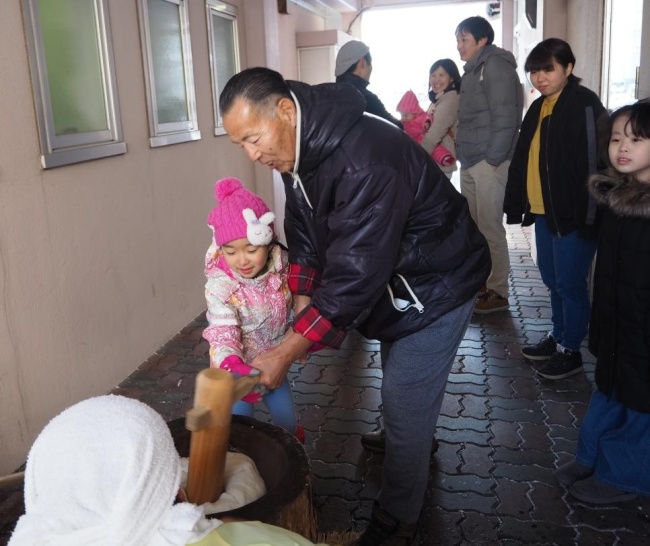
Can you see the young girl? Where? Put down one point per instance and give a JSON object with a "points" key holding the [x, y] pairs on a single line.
{"points": [[416, 123], [611, 463], [248, 298]]}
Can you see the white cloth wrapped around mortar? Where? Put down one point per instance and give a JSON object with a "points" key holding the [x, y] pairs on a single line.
{"points": [[242, 483]]}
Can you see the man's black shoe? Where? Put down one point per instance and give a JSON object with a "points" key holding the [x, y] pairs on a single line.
{"points": [[564, 363], [376, 442], [385, 530], [544, 350]]}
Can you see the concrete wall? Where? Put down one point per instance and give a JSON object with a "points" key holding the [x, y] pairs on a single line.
{"points": [[585, 34], [100, 262]]}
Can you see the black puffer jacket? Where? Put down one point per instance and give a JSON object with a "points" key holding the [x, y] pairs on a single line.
{"points": [[373, 104], [568, 155], [377, 207], [619, 333]]}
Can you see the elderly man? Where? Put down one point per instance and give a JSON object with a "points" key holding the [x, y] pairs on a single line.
{"points": [[379, 241]]}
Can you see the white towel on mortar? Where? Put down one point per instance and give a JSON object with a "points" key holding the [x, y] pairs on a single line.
{"points": [[242, 483], [105, 472]]}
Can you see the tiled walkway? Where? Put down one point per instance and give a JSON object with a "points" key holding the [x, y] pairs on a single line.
{"points": [[502, 430]]}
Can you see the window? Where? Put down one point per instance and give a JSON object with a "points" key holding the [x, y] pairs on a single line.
{"points": [[71, 60], [621, 52], [224, 51], [167, 53]]}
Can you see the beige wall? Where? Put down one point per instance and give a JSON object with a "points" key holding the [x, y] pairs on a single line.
{"points": [[102, 262], [585, 34]]}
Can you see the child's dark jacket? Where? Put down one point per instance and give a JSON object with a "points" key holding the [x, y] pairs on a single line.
{"points": [[619, 333]]}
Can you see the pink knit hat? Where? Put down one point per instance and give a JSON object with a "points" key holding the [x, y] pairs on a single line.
{"points": [[240, 214], [409, 104]]}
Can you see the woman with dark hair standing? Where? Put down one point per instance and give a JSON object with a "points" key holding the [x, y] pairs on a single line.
{"points": [[547, 185], [444, 85]]}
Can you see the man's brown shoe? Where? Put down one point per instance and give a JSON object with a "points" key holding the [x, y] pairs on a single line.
{"points": [[490, 302]]}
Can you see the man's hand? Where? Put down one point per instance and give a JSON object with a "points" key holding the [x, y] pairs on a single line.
{"points": [[275, 364]]}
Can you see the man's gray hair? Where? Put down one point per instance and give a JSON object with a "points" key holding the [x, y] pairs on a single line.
{"points": [[261, 87]]}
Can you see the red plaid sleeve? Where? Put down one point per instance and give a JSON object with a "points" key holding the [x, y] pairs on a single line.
{"points": [[315, 327], [303, 280]]}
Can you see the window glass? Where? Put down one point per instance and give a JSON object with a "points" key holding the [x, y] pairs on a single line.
{"points": [[224, 52], [622, 52], [169, 77], [73, 81], [74, 69], [167, 56], [224, 37]]}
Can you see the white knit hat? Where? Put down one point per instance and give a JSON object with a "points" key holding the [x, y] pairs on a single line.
{"points": [[349, 54], [105, 472]]}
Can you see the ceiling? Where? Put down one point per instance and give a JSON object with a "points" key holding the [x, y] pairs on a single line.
{"points": [[354, 6]]}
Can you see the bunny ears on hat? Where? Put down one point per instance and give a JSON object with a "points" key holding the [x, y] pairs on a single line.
{"points": [[258, 230]]}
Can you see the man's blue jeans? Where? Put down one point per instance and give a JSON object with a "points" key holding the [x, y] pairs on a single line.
{"points": [[564, 263]]}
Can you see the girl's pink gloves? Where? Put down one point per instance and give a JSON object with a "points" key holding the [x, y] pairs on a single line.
{"points": [[235, 365]]}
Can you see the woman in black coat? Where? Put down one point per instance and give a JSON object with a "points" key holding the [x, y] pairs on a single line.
{"points": [[547, 185]]}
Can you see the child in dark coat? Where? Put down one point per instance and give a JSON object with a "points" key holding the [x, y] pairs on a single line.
{"points": [[611, 463]]}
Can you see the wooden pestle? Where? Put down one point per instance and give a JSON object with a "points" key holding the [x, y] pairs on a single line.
{"points": [[216, 391]]}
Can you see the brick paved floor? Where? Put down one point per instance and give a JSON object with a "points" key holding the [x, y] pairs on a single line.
{"points": [[502, 431]]}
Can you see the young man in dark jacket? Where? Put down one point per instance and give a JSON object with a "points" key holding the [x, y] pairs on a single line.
{"points": [[379, 241], [354, 66]]}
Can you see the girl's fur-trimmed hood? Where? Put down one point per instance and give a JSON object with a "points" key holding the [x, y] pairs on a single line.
{"points": [[625, 195]]}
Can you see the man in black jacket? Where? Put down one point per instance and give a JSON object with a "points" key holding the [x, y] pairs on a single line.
{"points": [[354, 66], [379, 241]]}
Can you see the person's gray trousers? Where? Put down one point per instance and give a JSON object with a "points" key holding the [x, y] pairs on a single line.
{"points": [[415, 370]]}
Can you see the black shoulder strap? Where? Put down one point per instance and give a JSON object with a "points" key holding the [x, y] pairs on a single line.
{"points": [[592, 158]]}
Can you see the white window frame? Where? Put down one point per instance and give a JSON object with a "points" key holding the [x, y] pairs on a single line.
{"points": [[163, 134], [73, 148], [228, 12]]}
